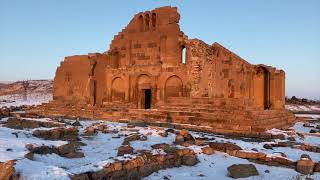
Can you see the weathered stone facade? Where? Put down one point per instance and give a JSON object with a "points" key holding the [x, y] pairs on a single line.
{"points": [[151, 64]]}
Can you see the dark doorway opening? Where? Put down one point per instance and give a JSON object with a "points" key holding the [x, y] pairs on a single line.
{"points": [[147, 98]]}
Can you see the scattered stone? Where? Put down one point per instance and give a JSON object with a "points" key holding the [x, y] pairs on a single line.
{"points": [[20, 123], [305, 166], [122, 150], [29, 155], [189, 160], [133, 137], [58, 133], [163, 134], [207, 150], [90, 131], [317, 167], [313, 131], [307, 125], [7, 170], [143, 138], [278, 136], [283, 161], [179, 139], [291, 138], [76, 123], [160, 146], [131, 126], [171, 131], [16, 134], [74, 155], [170, 149], [281, 154], [305, 156], [224, 147], [83, 176], [242, 170]]}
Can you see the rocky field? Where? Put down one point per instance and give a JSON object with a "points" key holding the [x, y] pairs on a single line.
{"points": [[57, 148], [44, 148]]}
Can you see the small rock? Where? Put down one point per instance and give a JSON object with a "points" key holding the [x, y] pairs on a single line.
{"points": [[131, 126], [207, 150], [291, 138], [90, 131], [133, 137], [143, 138], [242, 170], [305, 156], [170, 131], [317, 167], [313, 131], [267, 171], [160, 146], [74, 155], [7, 170], [189, 160], [224, 146], [179, 139], [77, 123], [278, 136], [122, 150], [29, 155], [305, 166], [163, 134]]}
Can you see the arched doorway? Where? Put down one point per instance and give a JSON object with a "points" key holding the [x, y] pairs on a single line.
{"points": [[118, 90], [144, 91], [173, 87]]}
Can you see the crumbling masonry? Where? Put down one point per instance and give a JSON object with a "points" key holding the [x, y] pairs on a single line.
{"points": [[153, 72]]}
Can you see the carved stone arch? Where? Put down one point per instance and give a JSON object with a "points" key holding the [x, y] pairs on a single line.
{"points": [[174, 87], [144, 81], [141, 23], [154, 20], [147, 22], [118, 92], [144, 91]]}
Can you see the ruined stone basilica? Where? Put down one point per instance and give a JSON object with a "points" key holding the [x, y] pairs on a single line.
{"points": [[153, 72]]}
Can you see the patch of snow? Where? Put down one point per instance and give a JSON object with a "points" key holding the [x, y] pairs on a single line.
{"points": [[12, 147], [294, 107], [17, 99], [31, 170], [312, 116], [215, 167]]}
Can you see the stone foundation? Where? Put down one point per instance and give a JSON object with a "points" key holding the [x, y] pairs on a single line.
{"points": [[198, 117]]}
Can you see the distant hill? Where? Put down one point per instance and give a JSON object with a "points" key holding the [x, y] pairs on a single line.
{"points": [[35, 86]]}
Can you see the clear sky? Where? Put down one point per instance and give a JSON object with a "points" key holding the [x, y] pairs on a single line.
{"points": [[35, 35]]}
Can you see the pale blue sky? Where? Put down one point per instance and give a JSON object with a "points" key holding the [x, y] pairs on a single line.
{"points": [[35, 35]]}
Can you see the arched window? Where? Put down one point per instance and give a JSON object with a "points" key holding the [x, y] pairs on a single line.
{"points": [[183, 55], [147, 21], [141, 23], [153, 18]]}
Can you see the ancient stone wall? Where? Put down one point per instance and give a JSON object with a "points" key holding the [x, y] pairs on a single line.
{"points": [[151, 64]]}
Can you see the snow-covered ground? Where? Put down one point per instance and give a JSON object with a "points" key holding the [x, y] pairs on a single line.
{"points": [[101, 149], [295, 107], [18, 99]]}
